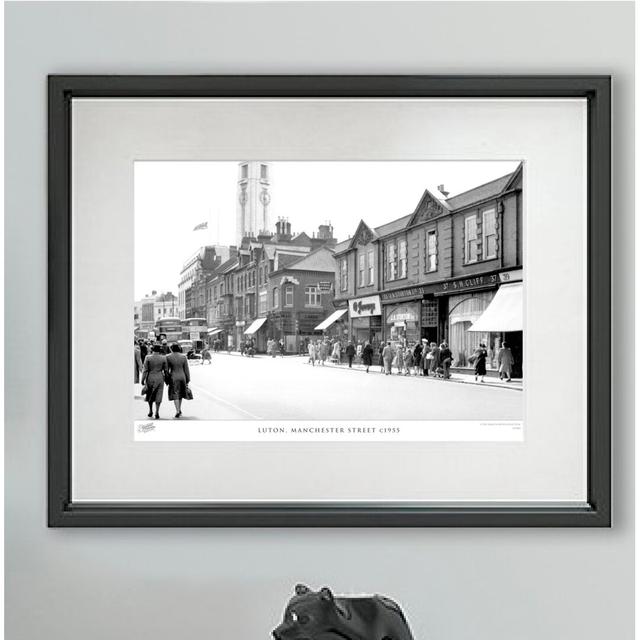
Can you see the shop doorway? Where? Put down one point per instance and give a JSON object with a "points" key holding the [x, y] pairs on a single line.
{"points": [[430, 334], [514, 342]]}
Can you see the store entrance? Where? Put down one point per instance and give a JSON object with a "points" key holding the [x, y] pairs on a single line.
{"points": [[430, 334], [514, 342]]}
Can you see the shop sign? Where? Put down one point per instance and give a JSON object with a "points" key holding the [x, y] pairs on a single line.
{"points": [[511, 276], [402, 315], [369, 306], [467, 284], [411, 292], [324, 286]]}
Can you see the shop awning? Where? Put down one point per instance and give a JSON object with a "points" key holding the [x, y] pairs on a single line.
{"points": [[213, 331], [504, 312], [325, 324], [255, 325]]}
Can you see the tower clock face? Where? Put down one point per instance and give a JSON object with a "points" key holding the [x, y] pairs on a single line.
{"points": [[265, 198]]}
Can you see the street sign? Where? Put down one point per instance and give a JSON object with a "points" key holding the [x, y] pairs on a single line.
{"points": [[324, 286]]}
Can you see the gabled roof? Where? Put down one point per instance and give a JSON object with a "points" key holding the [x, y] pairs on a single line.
{"points": [[301, 239], [428, 208], [482, 192], [364, 235], [319, 260]]}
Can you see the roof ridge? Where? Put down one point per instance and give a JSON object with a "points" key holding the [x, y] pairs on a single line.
{"points": [[484, 184]]}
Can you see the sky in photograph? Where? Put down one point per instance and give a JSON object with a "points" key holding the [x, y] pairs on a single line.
{"points": [[171, 198]]}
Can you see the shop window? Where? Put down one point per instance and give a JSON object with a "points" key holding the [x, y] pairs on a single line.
{"points": [[276, 298], [370, 267], [489, 234], [432, 254], [471, 239], [361, 270], [312, 296], [288, 296]]}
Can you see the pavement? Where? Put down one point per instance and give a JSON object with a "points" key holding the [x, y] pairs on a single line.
{"points": [[236, 387]]}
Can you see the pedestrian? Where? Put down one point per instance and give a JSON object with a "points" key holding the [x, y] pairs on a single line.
{"points": [[446, 358], [242, 347], [505, 361], [367, 355], [380, 355], [434, 360], [206, 356], [165, 347], [425, 357], [281, 346], [336, 353], [153, 378], [312, 353], [479, 360], [398, 361], [408, 361], [387, 358], [323, 350], [417, 358], [179, 377], [350, 352], [144, 350], [137, 362]]}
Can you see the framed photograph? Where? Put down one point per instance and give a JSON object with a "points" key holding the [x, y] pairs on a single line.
{"points": [[348, 301]]}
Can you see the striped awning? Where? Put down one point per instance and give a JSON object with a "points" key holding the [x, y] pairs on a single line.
{"points": [[213, 331], [336, 315], [504, 312], [255, 325]]}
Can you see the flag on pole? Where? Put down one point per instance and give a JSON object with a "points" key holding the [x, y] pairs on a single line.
{"points": [[202, 225]]}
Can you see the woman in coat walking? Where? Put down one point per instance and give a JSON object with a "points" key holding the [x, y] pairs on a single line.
{"points": [[434, 361], [179, 377], [312, 353], [367, 355], [480, 361], [387, 358], [335, 353], [505, 362], [154, 369], [408, 361]]}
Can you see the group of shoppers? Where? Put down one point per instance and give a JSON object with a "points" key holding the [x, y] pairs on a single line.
{"points": [[422, 358], [159, 368]]}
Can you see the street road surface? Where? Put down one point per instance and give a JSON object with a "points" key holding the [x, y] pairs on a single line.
{"points": [[235, 387]]}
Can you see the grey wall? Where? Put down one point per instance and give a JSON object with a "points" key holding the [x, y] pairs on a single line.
{"points": [[454, 584]]}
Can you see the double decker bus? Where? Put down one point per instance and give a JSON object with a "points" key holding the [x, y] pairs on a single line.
{"points": [[169, 329], [195, 329]]}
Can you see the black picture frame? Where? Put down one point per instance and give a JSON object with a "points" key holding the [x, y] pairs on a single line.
{"points": [[63, 512]]}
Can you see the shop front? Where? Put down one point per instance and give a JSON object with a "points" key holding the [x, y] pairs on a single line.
{"points": [[335, 326], [403, 323], [485, 309], [365, 320], [413, 313], [257, 334]]}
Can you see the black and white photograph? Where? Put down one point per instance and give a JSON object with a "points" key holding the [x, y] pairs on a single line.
{"points": [[328, 300]]}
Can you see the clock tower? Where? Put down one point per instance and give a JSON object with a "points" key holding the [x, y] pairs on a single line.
{"points": [[253, 199]]}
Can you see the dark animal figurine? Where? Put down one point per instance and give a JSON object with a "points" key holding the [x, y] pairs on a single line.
{"points": [[318, 615]]}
